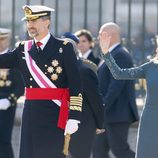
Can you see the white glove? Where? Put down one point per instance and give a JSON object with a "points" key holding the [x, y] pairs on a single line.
{"points": [[71, 126], [4, 104]]}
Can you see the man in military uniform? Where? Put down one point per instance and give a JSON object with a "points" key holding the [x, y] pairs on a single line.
{"points": [[92, 114], [48, 66], [11, 88]]}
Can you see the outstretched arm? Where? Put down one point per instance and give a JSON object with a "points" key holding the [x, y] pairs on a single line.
{"points": [[117, 72]]}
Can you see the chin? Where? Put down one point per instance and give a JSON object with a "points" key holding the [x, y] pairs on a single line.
{"points": [[33, 35]]}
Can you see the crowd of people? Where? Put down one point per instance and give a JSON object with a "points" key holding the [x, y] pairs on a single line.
{"points": [[74, 101]]}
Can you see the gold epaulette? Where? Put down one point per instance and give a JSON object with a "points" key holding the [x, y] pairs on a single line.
{"points": [[65, 42], [76, 102]]}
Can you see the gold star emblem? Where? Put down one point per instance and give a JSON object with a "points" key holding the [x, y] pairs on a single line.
{"points": [[55, 63], [54, 77], [50, 69], [58, 69], [2, 83]]}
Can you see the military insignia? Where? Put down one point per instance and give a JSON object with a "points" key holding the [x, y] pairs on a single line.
{"points": [[12, 95], [28, 11], [54, 70], [2, 83], [50, 69], [54, 77], [60, 50], [55, 63], [4, 73], [59, 69], [65, 42], [8, 83]]}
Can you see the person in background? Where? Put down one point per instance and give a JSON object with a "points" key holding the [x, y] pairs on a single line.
{"points": [[53, 92], [85, 45], [147, 139], [119, 102], [11, 88], [81, 143]]}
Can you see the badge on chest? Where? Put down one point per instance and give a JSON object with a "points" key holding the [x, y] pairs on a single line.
{"points": [[54, 69]]}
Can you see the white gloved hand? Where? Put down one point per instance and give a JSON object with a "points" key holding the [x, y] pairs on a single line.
{"points": [[4, 104], [71, 126]]}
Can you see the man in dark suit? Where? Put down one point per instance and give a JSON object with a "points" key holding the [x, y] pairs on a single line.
{"points": [[92, 113], [119, 102], [11, 88], [86, 45], [53, 102]]}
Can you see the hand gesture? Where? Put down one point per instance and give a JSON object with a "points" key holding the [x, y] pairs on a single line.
{"points": [[104, 40], [100, 131]]}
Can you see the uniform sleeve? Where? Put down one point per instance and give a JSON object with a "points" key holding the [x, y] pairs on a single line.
{"points": [[18, 87], [124, 73], [9, 59], [74, 82], [91, 90]]}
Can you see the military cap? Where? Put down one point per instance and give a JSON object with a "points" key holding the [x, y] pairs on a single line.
{"points": [[33, 12], [4, 32], [71, 36]]}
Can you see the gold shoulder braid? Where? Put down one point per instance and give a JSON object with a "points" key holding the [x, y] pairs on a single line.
{"points": [[90, 64], [76, 102]]}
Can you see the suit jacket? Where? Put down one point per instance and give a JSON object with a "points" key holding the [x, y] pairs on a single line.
{"points": [[118, 95], [92, 58]]}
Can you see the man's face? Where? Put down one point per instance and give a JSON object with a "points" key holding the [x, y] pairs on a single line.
{"points": [[4, 43], [83, 45], [37, 27]]}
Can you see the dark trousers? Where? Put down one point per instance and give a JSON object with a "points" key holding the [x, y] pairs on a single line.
{"points": [[115, 139], [6, 150]]}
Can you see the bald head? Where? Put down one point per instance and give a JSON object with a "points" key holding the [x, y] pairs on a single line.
{"points": [[113, 30]]}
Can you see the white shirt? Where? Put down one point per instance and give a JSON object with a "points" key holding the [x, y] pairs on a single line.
{"points": [[43, 41], [85, 55], [113, 47]]}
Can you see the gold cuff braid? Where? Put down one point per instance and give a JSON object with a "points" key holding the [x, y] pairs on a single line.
{"points": [[76, 102]]}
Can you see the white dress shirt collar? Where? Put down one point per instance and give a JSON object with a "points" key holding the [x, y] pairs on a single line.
{"points": [[85, 55], [44, 41]]}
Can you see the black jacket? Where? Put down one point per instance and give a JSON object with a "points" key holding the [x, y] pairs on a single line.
{"points": [[118, 95]]}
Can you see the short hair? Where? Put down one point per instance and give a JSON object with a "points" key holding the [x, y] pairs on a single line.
{"points": [[85, 33], [46, 18]]}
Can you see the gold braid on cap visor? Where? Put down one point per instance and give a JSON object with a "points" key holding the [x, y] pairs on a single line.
{"points": [[35, 16]]}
